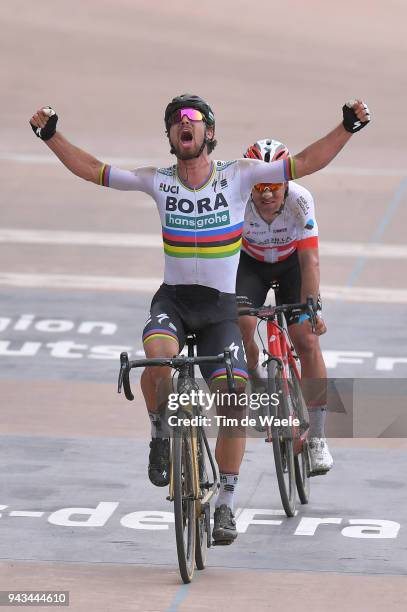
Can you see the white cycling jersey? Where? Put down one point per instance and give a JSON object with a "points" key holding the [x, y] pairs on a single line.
{"points": [[201, 227], [295, 228]]}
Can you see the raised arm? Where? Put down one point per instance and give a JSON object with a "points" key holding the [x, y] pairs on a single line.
{"points": [[85, 165], [79, 162], [318, 155], [356, 115]]}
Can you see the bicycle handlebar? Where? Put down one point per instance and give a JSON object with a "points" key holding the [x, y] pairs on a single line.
{"points": [[179, 362], [269, 312]]}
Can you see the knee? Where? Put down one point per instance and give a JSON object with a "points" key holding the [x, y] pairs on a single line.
{"points": [[155, 375], [307, 344]]}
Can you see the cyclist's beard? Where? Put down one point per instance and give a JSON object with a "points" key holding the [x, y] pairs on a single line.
{"points": [[189, 154]]}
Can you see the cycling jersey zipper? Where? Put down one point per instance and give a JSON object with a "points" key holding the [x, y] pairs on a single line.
{"points": [[196, 239]]}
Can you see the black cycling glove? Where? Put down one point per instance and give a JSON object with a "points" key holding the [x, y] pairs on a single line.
{"points": [[49, 130], [351, 123]]}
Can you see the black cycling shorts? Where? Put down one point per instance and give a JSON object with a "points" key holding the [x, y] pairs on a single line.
{"points": [[177, 310], [254, 280]]}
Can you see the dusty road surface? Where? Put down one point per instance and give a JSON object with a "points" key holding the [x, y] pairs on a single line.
{"points": [[79, 264]]}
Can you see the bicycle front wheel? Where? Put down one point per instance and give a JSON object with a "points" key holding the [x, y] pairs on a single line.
{"points": [[201, 546], [184, 502], [283, 447]]}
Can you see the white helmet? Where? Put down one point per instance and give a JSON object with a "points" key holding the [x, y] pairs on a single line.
{"points": [[267, 150]]}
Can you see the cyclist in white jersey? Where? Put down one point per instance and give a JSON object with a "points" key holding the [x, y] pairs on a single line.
{"points": [[201, 205], [280, 243]]}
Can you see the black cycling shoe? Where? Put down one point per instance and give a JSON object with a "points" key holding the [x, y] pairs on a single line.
{"points": [[224, 529], [159, 462]]}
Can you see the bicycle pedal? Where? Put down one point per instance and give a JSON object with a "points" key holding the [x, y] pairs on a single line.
{"points": [[222, 542], [317, 473]]}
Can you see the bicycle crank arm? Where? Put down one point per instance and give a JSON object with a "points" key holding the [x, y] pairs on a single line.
{"points": [[207, 511]]}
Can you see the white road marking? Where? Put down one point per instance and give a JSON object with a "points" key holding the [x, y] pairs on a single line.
{"points": [[25, 513], [126, 240], [159, 520], [355, 171], [71, 281], [369, 250], [34, 158], [148, 284], [16, 236], [376, 295]]}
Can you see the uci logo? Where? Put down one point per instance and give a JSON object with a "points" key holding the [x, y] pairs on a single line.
{"points": [[169, 188]]}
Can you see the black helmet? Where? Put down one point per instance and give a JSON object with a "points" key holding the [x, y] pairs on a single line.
{"points": [[190, 101]]}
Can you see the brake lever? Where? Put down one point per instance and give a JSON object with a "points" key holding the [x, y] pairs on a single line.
{"points": [[229, 371], [124, 361], [312, 313], [124, 378]]}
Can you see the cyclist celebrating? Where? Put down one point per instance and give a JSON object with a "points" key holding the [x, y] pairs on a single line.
{"points": [[280, 243], [201, 205]]}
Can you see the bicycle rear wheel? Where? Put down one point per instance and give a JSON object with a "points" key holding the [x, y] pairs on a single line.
{"points": [[301, 474], [283, 448], [301, 459], [184, 502]]}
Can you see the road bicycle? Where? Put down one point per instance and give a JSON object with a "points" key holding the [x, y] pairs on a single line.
{"points": [[286, 425], [190, 488]]}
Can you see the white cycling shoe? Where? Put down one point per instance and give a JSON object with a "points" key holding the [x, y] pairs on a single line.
{"points": [[320, 458]]}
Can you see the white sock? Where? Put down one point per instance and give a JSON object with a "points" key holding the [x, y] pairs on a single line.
{"points": [[317, 416], [228, 484]]}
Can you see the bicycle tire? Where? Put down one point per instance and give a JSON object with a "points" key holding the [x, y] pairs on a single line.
{"points": [[283, 447], [184, 503], [301, 459], [301, 477], [201, 545]]}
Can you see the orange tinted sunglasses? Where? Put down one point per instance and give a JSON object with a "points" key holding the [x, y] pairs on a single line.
{"points": [[261, 187]]}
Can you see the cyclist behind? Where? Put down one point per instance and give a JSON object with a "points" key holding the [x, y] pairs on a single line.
{"points": [[201, 204], [280, 243]]}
